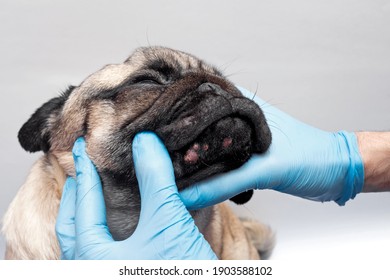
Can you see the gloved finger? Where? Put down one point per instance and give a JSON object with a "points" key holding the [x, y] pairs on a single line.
{"points": [[215, 190], [65, 226], [152, 163], [207, 193], [254, 174], [155, 175], [90, 219]]}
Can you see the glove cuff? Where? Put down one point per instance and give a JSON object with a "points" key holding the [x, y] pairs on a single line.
{"points": [[354, 180]]}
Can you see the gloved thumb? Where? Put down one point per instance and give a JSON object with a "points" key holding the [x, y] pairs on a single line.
{"points": [[161, 206], [153, 168]]}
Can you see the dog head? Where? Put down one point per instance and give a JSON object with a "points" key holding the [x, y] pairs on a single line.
{"points": [[204, 121]]}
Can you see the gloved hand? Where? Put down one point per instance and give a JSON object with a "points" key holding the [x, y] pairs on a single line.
{"points": [[302, 161], [166, 230]]}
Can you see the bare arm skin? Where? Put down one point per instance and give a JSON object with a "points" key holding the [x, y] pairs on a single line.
{"points": [[375, 151]]}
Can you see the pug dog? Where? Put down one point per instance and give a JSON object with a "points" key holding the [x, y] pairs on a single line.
{"points": [[205, 122]]}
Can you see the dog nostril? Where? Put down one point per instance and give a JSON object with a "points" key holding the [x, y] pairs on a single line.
{"points": [[207, 87]]}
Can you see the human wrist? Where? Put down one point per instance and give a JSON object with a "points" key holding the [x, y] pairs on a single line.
{"points": [[375, 151], [350, 165]]}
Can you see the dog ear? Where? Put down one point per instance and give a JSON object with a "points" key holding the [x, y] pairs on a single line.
{"points": [[34, 135], [243, 197]]}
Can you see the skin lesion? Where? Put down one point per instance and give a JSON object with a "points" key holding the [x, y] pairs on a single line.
{"points": [[191, 157], [227, 142]]}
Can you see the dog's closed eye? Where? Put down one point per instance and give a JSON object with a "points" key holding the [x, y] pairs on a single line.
{"points": [[150, 78]]}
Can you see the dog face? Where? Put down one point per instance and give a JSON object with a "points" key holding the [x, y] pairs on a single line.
{"points": [[204, 121]]}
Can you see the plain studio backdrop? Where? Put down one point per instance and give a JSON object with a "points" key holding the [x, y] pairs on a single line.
{"points": [[326, 63]]}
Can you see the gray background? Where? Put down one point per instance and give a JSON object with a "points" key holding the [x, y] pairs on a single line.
{"points": [[324, 62]]}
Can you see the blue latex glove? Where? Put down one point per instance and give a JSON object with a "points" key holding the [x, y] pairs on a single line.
{"points": [[166, 229], [302, 161]]}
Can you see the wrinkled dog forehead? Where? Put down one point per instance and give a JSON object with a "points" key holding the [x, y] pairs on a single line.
{"points": [[152, 56], [157, 58]]}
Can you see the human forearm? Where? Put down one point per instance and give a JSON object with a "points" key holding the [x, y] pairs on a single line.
{"points": [[375, 151]]}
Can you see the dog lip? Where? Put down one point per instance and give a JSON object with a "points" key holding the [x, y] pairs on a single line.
{"points": [[248, 109], [183, 131]]}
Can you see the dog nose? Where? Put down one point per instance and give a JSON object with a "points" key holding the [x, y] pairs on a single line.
{"points": [[213, 88], [207, 87]]}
